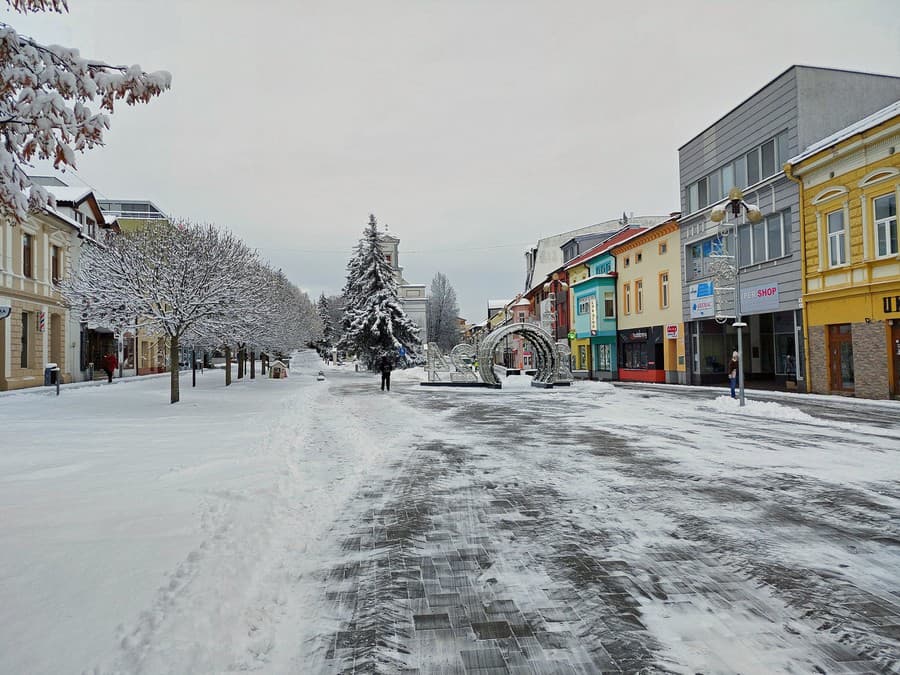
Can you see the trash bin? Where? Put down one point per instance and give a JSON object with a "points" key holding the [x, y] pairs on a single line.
{"points": [[51, 372]]}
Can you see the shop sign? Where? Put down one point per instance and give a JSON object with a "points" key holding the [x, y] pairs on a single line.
{"points": [[5, 311], [571, 335], [759, 298], [592, 304], [672, 331], [702, 300], [638, 335]]}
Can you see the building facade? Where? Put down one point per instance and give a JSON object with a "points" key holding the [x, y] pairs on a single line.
{"points": [[850, 186], [747, 149], [650, 333], [34, 326]]}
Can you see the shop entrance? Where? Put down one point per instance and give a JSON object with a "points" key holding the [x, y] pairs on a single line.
{"points": [[840, 350]]}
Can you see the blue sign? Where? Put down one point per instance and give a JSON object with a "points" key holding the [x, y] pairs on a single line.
{"points": [[402, 351]]}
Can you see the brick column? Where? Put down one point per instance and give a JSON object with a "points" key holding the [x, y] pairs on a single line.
{"points": [[818, 361], [870, 367]]}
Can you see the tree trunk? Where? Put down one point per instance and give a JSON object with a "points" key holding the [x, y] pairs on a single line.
{"points": [[227, 365], [262, 363], [240, 358], [252, 365], [173, 369]]}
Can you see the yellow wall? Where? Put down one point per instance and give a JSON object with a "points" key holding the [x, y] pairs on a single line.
{"points": [[576, 274], [652, 264], [863, 169]]}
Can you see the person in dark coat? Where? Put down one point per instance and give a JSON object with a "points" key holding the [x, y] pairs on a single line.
{"points": [[733, 373], [386, 367], [109, 364]]}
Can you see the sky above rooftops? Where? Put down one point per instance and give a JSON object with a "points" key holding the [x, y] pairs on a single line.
{"points": [[471, 129]]}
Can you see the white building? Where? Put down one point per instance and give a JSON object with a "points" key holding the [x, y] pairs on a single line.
{"points": [[413, 297]]}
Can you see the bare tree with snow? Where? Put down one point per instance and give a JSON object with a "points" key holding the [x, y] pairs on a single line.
{"points": [[185, 280], [443, 313], [45, 97]]}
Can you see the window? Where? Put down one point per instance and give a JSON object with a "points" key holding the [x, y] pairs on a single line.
{"points": [[693, 198], [886, 225], [639, 295], [753, 166], [627, 261], [27, 256], [663, 247], [634, 355], [768, 158], [727, 178], [773, 235], [766, 240], [740, 172], [521, 317], [609, 305], [663, 290], [715, 187], [26, 326], [700, 256], [837, 237], [584, 305], [627, 299], [703, 193], [638, 257], [387, 256], [55, 264]]}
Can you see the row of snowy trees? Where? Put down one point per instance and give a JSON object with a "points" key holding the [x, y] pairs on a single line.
{"points": [[196, 285], [374, 324]]}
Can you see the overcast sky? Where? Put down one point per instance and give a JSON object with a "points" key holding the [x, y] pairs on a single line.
{"points": [[470, 128]]}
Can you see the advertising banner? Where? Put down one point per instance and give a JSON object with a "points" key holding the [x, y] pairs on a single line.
{"points": [[702, 300]]}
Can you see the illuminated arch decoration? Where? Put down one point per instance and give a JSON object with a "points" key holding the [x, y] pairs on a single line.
{"points": [[545, 349]]}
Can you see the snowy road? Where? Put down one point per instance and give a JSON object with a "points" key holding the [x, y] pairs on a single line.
{"points": [[305, 527]]}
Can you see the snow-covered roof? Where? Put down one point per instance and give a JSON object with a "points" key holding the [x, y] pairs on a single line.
{"points": [[72, 194], [618, 238], [498, 303], [859, 127], [522, 302], [57, 214]]}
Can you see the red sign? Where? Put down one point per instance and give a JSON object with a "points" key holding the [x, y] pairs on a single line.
{"points": [[672, 331]]}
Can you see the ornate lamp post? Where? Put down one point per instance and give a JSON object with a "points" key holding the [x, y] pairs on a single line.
{"points": [[737, 205]]}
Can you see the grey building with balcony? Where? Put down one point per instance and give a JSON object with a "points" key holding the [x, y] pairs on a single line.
{"points": [[747, 148]]}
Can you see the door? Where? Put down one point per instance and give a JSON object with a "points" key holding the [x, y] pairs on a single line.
{"points": [[840, 350]]}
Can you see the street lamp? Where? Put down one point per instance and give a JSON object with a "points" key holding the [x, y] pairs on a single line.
{"points": [[737, 205]]}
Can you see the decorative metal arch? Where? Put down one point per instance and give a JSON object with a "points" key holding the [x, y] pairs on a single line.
{"points": [[546, 355]]}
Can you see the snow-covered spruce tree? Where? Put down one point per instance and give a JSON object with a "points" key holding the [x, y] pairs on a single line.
{"points": [[375, 321], [184, 280], [45, 92], [324, 313], [443, 314]]}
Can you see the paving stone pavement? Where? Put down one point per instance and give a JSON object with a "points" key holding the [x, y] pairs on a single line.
{"points": [[480, 563]]}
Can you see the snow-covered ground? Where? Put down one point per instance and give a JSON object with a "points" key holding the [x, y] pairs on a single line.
{"points": [[297, 526]]}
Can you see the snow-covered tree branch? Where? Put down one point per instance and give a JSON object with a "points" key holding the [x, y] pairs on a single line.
{"points": [[45, 113]]}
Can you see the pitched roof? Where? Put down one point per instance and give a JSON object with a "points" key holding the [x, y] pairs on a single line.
{"points": [[619, 237]]}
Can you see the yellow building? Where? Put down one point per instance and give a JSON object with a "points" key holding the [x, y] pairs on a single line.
{"points": [[649, 324], [581, 347], [849, 188], [33, 319]]}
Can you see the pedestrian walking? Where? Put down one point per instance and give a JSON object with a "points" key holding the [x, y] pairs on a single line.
{"points": [[109, 363], [386, 367], [733, 372]]}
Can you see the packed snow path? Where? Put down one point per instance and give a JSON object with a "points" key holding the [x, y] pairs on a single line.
{"points": [[302, 527]]}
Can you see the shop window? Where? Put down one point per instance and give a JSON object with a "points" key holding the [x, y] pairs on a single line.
{"points": [[604, 357], [634, 355]]}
